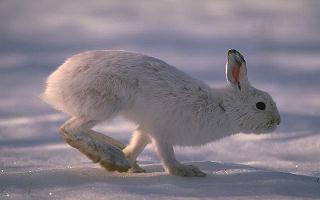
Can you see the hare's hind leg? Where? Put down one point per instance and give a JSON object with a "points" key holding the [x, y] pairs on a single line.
{"points": [[96, 146], [138, 142]]}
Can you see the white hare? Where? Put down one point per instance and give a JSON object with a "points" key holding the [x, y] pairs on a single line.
{"points": [[170, 107]]}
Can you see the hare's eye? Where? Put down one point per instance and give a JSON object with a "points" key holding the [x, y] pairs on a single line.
{"points": [[261, 106]]}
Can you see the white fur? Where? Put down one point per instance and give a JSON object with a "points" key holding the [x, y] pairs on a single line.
{"points": [[170, 107]]}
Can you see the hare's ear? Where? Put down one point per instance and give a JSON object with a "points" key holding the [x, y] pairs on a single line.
{"points": [[236, 70]]}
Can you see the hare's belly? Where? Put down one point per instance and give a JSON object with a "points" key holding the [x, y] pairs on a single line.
{"points": [[178, 124]]}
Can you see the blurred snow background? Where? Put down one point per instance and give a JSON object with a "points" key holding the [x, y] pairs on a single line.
{"points": [[281, 43]]}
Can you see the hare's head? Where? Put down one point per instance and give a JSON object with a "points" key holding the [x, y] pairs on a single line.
{"points": [[250, 110]]}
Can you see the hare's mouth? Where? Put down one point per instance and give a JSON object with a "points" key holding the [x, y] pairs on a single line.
{"points": [[272, 125], [267, 127], [273, 122]]}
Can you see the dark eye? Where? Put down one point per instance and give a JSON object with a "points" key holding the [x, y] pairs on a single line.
{"points": [[261, 105]]}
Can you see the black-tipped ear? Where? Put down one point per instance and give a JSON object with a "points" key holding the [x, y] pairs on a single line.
{"points": [[236, 70]]}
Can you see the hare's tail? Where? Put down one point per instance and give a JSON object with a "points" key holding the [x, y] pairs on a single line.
{"points": [[53, 95]]}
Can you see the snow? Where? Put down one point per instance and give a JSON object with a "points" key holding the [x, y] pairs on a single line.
{"points": [[279, 40]]}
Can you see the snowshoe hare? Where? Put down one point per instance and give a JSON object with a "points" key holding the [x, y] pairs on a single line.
{"points": [[170, 107]]}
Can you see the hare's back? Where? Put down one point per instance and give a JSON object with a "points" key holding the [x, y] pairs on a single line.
{"points": [[101, 83], [131, 70]]}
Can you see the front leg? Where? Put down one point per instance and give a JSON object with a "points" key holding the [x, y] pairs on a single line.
{"points": [[136, 145], [172, 166]]}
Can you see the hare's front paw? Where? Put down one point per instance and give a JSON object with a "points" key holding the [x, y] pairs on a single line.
{"points": [[186, 171]]}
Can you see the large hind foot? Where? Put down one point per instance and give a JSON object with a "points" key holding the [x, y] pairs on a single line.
{"points": [[134, 167], [98, 148]]}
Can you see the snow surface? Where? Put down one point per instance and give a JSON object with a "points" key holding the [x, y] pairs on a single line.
{"points": [[279, 39]]}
